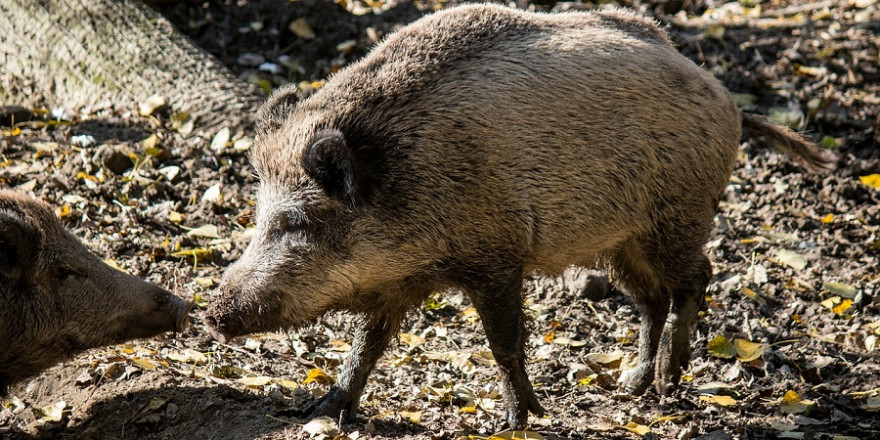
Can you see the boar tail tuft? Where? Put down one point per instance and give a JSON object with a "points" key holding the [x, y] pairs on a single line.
{"points": [[807, 153]]}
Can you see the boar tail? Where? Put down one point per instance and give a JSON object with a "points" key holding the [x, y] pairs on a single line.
{"points": [[807, 153]]}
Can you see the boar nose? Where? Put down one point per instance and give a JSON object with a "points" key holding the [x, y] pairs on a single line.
{"points": [[168, 305], [183, 308]]}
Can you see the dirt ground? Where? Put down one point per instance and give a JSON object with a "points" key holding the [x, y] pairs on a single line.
{"points": [[787, 347]]}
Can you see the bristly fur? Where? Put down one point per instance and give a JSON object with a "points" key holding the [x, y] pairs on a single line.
{"points": [[477, 145]]}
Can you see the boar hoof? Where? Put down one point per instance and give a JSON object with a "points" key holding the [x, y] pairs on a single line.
{"points": [[636, 380], [668, 375], [336, 404]]}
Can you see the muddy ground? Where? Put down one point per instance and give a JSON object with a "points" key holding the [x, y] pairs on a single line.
{"points": [[787, 347]]}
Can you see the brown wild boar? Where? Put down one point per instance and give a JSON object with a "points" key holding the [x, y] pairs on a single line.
{"points": [[58, 299], [475, 146]]}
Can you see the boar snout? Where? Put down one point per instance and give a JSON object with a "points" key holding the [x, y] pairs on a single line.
{"points": [[156, 310]]}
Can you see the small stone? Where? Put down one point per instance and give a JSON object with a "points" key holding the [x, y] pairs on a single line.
{"points": [[302, 29], [250, 59]]}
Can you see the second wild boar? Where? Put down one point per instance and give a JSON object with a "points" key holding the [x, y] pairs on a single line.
{"points": [[475, 146], [57, 298]]}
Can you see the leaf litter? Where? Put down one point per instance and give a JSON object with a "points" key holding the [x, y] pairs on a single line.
{"points": [[793, 240]]}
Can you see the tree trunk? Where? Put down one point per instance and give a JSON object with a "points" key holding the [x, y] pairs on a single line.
{"points": [[95, 53]]}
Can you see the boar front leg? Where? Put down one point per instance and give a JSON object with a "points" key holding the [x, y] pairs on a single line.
{"points": [[372, 335], [499, 304], [674, 348]]}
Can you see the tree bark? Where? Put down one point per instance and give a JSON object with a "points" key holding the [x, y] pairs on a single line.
{"points": [[116, 53]]}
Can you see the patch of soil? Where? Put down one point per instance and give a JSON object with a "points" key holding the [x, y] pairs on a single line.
{"points": [[817, 67]]}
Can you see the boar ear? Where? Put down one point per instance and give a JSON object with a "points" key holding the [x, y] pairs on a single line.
{"points": [[330, 162], [14, 249]]}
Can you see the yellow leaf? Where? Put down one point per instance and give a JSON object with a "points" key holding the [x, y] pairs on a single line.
{"points": [[204, 282], [749, 293], [258, 381], [793, 403], [411, 339], [548, 338], [636, 428], [175, 217], [63, 212], [872, 180], [289, 384], [199, 253], [747, 351], [669, 418], [144, 364], [719, 400], [828, 219], [842, 307], [829, 303], [318, 375], [200, 300], [721, 347], [188, 356], [112, 263], [414, 416], [54, 412], [585, 381], [468, 409]]}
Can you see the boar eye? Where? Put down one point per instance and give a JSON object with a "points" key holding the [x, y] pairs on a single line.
{"points": [[292, 223], [65, 273]]}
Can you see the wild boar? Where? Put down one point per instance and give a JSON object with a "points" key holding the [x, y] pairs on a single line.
{"points": [[477, 145], [58, 299]]}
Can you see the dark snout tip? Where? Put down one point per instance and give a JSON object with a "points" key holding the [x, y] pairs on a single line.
{"points": [[214, 329], [182, 320]]}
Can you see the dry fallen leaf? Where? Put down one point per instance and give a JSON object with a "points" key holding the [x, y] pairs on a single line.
{"points": [[411, 339], [321, 426], [872, 180], [747, 351], [841, 289], [636, 428], [218, 144], [793, 403], [205, 231], [721, 347], [257, 381], [302, 29], [719, 400], [52, 413], [318, 375], [791, 259], [414, 416]]}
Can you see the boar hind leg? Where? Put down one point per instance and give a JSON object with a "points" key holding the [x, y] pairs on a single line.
{"points": [[498, 300], [372, 335], [652, 301], [687, 299]]}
